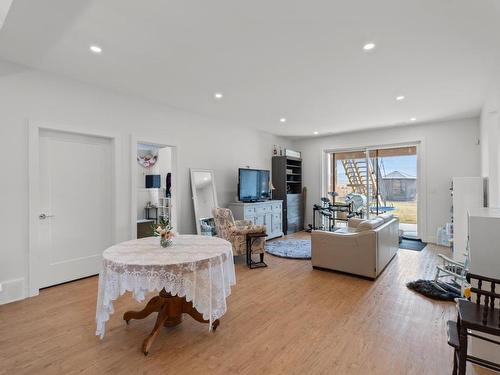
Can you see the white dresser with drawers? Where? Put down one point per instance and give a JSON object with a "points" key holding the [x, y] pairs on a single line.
{"points": [[268, 213]]}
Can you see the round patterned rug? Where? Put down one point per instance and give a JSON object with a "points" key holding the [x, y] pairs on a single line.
{"points": [[294, 249]]}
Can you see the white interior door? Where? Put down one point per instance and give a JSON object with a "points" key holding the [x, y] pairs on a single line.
{"points": [[75, 219]]}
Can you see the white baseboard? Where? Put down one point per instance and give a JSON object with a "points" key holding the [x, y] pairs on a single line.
{"points": [[431, 239], [12, 290]]}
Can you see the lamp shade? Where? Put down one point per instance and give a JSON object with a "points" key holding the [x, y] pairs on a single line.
{"points": [[153, 181]]}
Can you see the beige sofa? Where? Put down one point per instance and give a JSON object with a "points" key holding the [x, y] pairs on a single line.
{"points": [[364, 248]]}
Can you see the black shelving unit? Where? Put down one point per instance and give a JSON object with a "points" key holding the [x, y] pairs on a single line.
{"points": [[287, 181]]}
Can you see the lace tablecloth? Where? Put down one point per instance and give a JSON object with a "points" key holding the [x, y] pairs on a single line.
{"points": [[199, 268]]}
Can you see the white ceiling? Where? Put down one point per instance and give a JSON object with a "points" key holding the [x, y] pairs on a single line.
{"points": [[302, 60]]}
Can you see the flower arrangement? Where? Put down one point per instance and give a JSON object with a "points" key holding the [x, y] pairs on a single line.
{"points": [[165, 232]]}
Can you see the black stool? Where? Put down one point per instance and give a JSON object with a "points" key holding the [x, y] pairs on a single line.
{"points": [[251, 238]]}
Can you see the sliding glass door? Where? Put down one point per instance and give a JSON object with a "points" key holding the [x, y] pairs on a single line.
{"points": [[397, 182], [380, 180]]}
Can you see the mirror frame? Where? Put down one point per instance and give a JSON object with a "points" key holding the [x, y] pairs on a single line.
{"points": [[192, 171]]}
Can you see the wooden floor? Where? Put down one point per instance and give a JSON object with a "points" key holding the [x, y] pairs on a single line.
{"points": [[284, 319]]}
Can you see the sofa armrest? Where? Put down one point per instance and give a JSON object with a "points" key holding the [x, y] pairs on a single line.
{"points": [[354, 222]]}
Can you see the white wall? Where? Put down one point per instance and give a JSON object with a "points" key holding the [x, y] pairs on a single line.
{"points": [[490, 146], [448, 149], [28, 95]]}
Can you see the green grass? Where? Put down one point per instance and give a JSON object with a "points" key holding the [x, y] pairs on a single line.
{"points": [[406, 211]]}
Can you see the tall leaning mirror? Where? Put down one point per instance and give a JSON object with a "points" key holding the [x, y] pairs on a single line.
{"points": [[204, 200]]}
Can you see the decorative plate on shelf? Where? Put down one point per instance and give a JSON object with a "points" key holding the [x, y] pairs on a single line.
{"points": [[147, 159]]}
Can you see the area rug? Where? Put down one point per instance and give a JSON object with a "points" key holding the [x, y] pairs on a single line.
{"points": [[294, 249], [434, 289], [412, 244]]}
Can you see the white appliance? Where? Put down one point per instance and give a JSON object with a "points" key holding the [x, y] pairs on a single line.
{"points": [[484, 251], [468, 193]]}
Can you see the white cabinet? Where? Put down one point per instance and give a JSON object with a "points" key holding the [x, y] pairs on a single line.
{"points": [[268, 213]]}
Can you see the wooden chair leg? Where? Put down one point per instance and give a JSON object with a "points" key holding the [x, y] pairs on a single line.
{"points": [[261, 257], [462, 352], [455, 369]]}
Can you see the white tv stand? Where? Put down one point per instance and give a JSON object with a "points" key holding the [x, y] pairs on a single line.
{"points": [[268, 213]]}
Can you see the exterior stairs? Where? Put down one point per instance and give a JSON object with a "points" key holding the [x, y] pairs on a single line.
{"points": [[357, 172]]}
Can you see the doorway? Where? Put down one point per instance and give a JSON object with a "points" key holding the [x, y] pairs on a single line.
{"points": [[384, 179], [71, 205], [153, 194]]}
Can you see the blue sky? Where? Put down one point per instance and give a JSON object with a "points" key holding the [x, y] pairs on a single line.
{"points": [[406, 164]]}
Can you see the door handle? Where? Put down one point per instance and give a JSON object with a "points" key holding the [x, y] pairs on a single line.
{"points": [[44, 216]]}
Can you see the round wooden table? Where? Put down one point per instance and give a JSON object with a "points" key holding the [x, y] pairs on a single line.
{"points": [[193, 276]]}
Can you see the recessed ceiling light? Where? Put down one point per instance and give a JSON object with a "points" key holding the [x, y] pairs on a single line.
{"points": [[95, 49], [316, 133], [369, 46], [413, 119], [400, 97], [218, 95], [283, 120]]}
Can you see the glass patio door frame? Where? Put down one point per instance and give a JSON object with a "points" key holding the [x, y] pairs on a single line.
{"points": [[376, 150], [421, 192]]}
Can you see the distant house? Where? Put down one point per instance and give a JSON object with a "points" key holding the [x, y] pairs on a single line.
{"points": [[399, 186]]}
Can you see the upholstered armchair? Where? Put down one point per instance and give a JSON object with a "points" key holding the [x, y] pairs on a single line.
{"points": [[235, 231]]}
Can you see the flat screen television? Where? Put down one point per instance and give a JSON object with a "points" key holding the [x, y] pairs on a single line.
{"points": [[253, 185]]}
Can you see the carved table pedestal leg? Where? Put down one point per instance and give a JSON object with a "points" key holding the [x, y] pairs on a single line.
{"points": [[170, 309]]}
